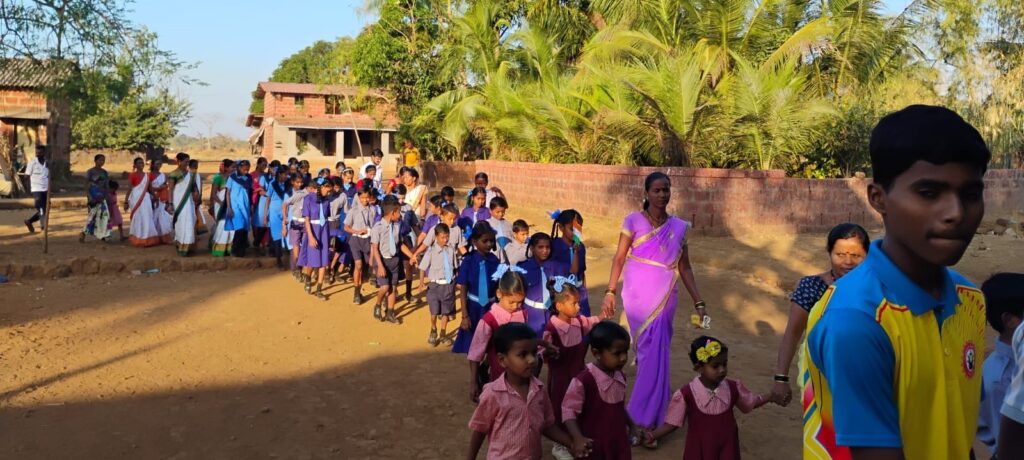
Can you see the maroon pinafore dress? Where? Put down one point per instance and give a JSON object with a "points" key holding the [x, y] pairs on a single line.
{"points": [[495, 369], [711, 437], [607, 424], [561, 370]]}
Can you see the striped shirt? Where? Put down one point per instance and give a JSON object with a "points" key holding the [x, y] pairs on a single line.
{"points": [[513, 425]]}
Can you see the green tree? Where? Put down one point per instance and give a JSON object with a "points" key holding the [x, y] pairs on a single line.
{"points": [[322, 62]]}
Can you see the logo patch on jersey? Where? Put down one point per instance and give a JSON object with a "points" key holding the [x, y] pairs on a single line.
{"points": [[969, 359]]}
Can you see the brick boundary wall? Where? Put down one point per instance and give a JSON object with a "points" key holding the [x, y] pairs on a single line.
{"points": [[715, 201]]}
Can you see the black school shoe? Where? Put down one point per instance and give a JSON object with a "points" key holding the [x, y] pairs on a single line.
{"points": [[432, 338], [391, 318], [376, 313], [319, 292], [357, 298]]}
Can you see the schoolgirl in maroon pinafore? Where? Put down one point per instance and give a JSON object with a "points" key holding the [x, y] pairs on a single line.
{"points": [[494, 366], [570, 360], [715, 435], [594, 405]]}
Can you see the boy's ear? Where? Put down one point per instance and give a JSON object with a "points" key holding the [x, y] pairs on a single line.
{"points": [[502, 358], [1010, 321], [876, 197]]}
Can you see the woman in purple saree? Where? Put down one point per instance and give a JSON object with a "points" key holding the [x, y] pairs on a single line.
{"points": [[652, 256]]}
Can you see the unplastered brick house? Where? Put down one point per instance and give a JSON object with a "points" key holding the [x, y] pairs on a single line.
{"points": [[29, 114], [311, 121]]}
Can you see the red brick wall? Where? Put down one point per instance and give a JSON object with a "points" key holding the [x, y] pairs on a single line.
{"points": [[55, 132], [716, 201], [16, 98]]}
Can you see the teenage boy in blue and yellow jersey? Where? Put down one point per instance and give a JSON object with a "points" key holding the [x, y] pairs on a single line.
{"points": [[895, 347]]}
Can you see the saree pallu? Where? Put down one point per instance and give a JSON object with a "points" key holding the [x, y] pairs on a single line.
{"points": [[184, 214], [649, 296], [220, 240], [162, 218], [98, 222], [142, 231]]}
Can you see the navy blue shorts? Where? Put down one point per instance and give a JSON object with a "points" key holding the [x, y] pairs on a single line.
{"points": [[392, 272]]}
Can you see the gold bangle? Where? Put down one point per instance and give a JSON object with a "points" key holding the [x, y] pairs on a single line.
{"points": [[608, 292]]}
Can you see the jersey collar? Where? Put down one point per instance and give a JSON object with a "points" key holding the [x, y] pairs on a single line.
{"points": [[908, 292]]}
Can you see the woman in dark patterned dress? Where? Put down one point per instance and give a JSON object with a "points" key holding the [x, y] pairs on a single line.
{"points": [[847, 246]]}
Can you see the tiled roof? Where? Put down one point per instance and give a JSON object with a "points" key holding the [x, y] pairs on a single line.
{"points": [[27, 73], [343, 121], [311, 88]]}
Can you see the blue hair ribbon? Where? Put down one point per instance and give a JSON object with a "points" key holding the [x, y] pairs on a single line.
{"points": [[505, 268], [561, 281]]}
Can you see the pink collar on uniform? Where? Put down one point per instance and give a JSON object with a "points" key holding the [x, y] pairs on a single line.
{"points": [[561, 326], [502, 316], [500, 384], [604, 381]]}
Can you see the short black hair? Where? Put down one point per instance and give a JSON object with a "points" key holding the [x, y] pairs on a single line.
{"points": [[482, 175], [371, 168], [377, 153], [413, 173], [261, 161], [498, 202], [450, 209], [436, 200], [510, 333], [480, 229], [193, 163], [447, 190], [337, 181], [700, 342], [367, 189], [400, 189], [98, 157], [1003, 294], [845, 231], [922, 132], [604, 334], [181, 157], [442, 229], [520, 225], [339, 164], [388, 206]]}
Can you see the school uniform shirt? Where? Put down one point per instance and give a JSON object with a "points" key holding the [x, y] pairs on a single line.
{"points": [[571, 334], [295, 205], [455, 238], [469, 218], [430, 222], [513, 425], [996, 375], [433, 263], [338, 205], [387, 236], [360, 217], [536, 279], [611, 388], [1013, 403], [39, 175], [710, 402], [515, 252], [482, 336], [376, 177], [469, 272], [890, 366]]}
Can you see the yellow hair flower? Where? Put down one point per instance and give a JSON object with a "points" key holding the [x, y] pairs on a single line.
{"points": [[708, 351]]}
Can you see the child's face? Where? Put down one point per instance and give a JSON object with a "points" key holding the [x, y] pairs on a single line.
{"points": [[614, 358], [442, 239], [567, 229], [520, 359], [297, 184], [511, 302], [542, 250], [448, 198], [480, 183], [498, 213], [325, 190], [521, 236], [393, 216], [931, 210], [448, 218], [435, 209], [715, 370], [244, 169], [478, 200], [401, 199], [373, 198], [570, 307], [370, 174], [364, 199], [484, 243], [193, 168], [336, 188], [347, 177]]}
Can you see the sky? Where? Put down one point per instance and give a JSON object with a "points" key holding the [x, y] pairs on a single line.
{"points": [[239, 43]]}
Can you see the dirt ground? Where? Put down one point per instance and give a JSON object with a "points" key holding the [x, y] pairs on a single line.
{"points": [[243, 364]]}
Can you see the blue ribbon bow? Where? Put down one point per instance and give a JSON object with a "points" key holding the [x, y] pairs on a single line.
{"points": [[561, 281], [505, 268], [554, 214]]}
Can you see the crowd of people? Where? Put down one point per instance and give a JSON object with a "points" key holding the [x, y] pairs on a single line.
{"points": [[894, 337]]}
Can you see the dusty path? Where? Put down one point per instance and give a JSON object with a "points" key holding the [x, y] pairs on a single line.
{"points": [[243, 364]]}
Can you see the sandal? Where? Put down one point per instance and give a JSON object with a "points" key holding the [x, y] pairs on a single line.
{"points": [[432, 338]]}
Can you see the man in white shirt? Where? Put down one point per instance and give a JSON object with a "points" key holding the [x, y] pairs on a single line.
{"points": [[38, 171], [375, 159]]}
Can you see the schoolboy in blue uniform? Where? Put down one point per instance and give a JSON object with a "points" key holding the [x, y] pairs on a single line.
{"points": [[387, 244], [893, 347], [440, 266]]}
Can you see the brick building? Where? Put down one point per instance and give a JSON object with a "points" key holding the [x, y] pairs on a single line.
{"points": [[28, 115], [314, 122]]}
